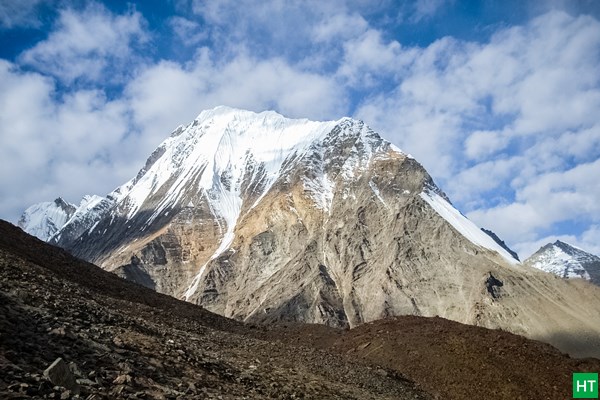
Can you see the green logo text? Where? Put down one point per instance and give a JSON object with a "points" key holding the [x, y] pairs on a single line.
{"points": [[585, 385]]}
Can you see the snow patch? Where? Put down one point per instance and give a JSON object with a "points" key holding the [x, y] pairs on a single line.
{"points": [[463, 225], [375, 190], [320, 190]]}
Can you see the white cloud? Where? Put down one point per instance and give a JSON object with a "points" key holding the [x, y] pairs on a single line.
{"points": [[368, 59], [90, 45], [339, 27], [548, 199], [54, 148], [424, 9], [482, 144], [22, 95], [272, 27], [483, 179], [304, 32], [19, 13], [590, 240], [168, 94], [189, 32]]}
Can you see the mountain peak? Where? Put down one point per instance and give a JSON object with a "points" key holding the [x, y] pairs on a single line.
{"points": [[223, 144], [566, 261]]}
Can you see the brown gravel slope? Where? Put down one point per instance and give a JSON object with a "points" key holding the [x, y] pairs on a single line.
{"points": [[465, 362], [451, 360]]}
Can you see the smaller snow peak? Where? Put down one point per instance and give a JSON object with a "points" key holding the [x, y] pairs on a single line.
{"points": [[44, 219], [566, 261]]}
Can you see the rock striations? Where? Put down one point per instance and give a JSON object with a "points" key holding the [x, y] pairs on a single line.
{"points": [[263, 218]]}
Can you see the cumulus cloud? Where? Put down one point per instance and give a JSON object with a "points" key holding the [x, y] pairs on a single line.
{"points": [[90, 45], [303, 32], [368, 59], [590, 239], [167, 94], [482, 144], [339, 27], [268, 28], [548, 199], [487, 179], [56, 148]]}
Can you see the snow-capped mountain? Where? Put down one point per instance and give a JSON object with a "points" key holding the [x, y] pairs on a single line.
{"points": [[90, 210], [51, 220], [44, 219], [264, 218], [230, 155], [566, 261]]}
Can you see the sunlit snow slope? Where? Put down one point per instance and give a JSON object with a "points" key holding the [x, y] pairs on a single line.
{"points": [[44, 219], [566, 261]]}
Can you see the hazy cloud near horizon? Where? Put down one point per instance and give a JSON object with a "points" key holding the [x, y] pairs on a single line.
{"points": [[504, 114]]}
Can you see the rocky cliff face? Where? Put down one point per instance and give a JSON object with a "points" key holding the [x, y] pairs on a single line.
{"points": [[262, 218], [566, 261]]}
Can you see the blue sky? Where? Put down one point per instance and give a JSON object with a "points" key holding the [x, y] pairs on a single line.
{"points": [[499, 100]]}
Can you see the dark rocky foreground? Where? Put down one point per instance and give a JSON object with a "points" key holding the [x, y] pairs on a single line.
{"points": [[450, 360], [119, 340]]}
